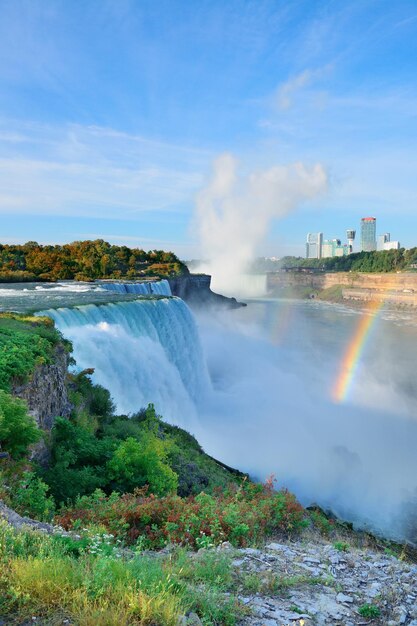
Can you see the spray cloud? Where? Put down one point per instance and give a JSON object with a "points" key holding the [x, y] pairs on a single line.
{"points": [[234, 212]]}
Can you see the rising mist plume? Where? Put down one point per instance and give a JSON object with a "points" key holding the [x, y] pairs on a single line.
{"points": [[234, 212]]}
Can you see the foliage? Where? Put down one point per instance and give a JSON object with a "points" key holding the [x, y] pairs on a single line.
{"points": [[30, 498], [377, 261], [96, 449], [342, 546], [25, 342], [78, 461], [136, 463], [370, 611], [321, 522], [18, 430], [84, 260], [242, 515], [45, 575]]}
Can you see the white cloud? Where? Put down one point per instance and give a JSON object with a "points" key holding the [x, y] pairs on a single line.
{"points": [[91, 171]]}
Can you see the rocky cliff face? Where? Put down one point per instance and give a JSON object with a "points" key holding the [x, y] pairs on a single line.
{"points": [[195, 290], [396, 288], [46, 392]]}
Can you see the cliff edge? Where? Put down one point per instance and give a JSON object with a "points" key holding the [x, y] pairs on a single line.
{"points": [[195, 290]]}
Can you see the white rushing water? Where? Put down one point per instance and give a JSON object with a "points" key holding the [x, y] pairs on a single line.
{"points": [[160, 288], [266, 405], [142, 351]]}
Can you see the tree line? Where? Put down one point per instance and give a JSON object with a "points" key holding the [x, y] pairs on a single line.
{"points": [[378, 261], [83, 260]]}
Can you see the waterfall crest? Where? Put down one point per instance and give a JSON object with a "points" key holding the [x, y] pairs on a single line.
{"points": [[143, 351], [158, 288]]}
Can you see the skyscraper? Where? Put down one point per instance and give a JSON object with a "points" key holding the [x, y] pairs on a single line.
{"points": [[350, 233], [368, 234], [313, 245]]}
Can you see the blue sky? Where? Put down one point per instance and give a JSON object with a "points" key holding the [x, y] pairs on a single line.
{"points": [[113, 111]]}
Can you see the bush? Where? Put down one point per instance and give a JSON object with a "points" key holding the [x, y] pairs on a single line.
{"points": [[242, 516], [137, 463], [369, 611], [30, 498], [18, 430]]}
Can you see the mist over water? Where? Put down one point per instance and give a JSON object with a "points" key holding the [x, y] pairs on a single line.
{"points": [[257, 395], [271, 410]]}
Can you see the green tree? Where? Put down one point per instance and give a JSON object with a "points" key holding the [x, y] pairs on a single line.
{"points": [[18, 430], [137, 463]]}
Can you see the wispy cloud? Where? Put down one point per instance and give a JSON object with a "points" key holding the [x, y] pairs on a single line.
{"points": [[286, 92], [93, 171]]}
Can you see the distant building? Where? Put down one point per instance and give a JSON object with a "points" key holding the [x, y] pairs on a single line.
{"points": [[385, 243], [392, 245], [350, 236], [368, 234], [313, 245], [333, 247], [382, 240]]}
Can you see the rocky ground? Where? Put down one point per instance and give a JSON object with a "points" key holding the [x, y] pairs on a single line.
{"points": [[309, 581], [305, 584]]}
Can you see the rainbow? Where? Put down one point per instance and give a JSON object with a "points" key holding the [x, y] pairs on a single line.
{"points": [[354, 351]]}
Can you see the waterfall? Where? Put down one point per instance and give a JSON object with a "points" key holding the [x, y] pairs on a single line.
{"points": [[159, 288], [142, 351]]}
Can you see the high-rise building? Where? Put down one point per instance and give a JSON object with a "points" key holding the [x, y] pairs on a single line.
{"points": [[333, 247], [350, 235], [382, 240], [313, 245], [368, 234]]}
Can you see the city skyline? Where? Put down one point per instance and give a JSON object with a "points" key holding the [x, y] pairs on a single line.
{"points": [[367, 240], [112, 115]]}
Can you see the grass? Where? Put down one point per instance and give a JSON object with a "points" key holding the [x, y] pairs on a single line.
{"points": [[332, 294], [25, 342], [40, 575]]}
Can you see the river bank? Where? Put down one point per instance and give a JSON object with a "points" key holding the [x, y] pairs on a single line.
{"points": [[398, 290]]}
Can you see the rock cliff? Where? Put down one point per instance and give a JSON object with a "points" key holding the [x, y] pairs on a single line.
{"points": [[395, 288], [46, 391], [195, 290]]}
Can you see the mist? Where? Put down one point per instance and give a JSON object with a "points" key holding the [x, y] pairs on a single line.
{"points": [[234, 213], [254, 385], [270, 412]]}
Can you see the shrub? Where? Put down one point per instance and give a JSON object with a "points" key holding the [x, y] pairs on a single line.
{"points": [[30, 498], [18, 430], [369, 611], [242, 516]]}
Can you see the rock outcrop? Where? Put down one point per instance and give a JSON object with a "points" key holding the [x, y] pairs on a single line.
{"points": [[46, 391], [19, 522], [195, 290]]}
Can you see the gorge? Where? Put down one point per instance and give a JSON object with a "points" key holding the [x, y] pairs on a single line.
{"points": [[247, 384]]}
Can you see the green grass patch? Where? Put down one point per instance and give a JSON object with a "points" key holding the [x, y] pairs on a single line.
{"points": [[25, 342], [40, 575]]}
